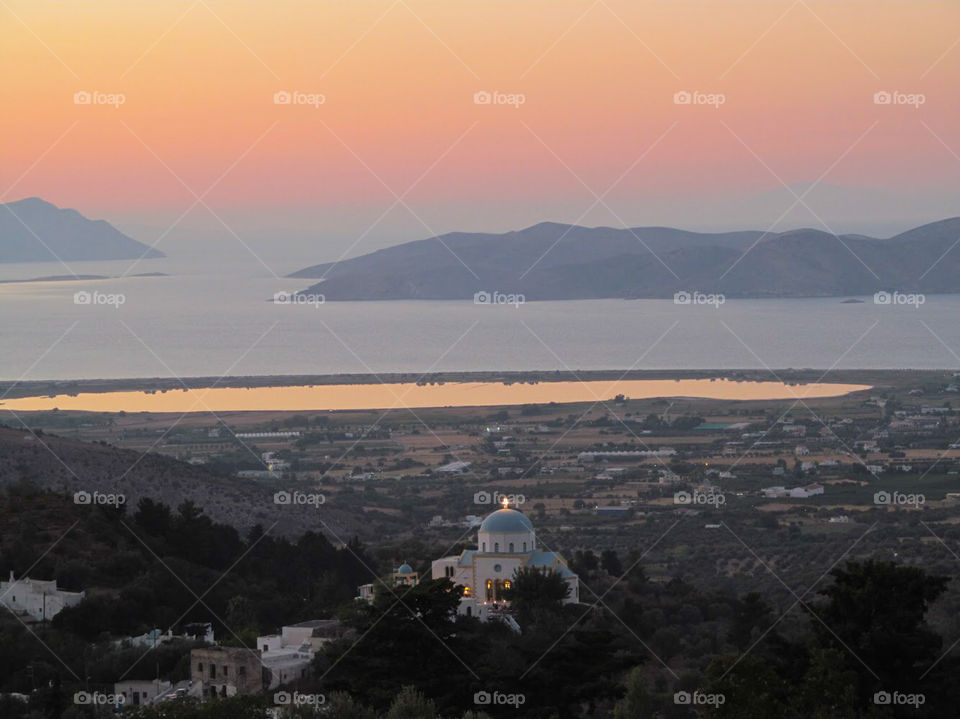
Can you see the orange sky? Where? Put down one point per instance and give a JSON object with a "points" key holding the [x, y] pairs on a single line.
{"points": [[399, 81]]}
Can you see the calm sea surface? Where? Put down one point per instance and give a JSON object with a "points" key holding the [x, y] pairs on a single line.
{"points": [[220, 320]]}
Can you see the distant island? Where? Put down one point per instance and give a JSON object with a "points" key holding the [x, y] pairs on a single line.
{"points": [[74, 278], [551, 261], [33, 230]]}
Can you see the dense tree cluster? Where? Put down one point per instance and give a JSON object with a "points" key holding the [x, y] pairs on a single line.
{"points": [[635, 647]]}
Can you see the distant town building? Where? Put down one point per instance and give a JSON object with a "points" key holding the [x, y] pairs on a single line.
{"points": [[616, 511], [625, 454], [454, 468], [808, 491], [37, 599], [258, 474], [220, 672]]}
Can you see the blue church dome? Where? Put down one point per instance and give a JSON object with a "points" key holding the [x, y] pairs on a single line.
{"points": [[506, 520]]}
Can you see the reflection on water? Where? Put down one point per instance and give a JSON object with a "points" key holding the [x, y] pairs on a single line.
{"points": [[385, 396]]}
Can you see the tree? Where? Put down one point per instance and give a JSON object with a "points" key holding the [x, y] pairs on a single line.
{"points": [[343, 706], [154, 517], [584, 562], [232, 708], [637, 703], [406, 634], [536, 592], [240, 615], [749, 613], [411, 704], [610, 563], [875, 616]]}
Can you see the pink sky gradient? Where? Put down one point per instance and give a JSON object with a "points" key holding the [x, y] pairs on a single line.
{"points": [[399, 82]]}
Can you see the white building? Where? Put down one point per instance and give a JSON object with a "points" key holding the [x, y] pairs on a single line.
{"points": [[38, 599], [626, 454], [140, 692], [288, 656], [506, 542], [155, 637], [454, 468], [404, 576]]}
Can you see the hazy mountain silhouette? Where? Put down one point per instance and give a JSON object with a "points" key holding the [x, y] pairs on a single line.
{"points": [[33, 230], [552, 261]]}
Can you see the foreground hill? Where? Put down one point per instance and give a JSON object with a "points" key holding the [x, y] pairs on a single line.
{"points": [[33, 230], [69, 466], [552, 261]]}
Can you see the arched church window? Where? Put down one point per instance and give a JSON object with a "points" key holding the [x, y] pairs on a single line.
{"points": [[511, 547], [496, 546]]}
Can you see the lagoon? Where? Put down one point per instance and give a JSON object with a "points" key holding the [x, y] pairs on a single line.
{"points": [[383, 396]]}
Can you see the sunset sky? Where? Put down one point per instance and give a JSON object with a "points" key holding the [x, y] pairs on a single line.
{"points": [[399, 79]]}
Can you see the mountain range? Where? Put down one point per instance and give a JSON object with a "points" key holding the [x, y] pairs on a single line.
{"points": [[33, 230], [551, 261]]}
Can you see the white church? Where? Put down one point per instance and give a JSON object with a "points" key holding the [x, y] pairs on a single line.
{"points": [[36, 599], [506, 541]]}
